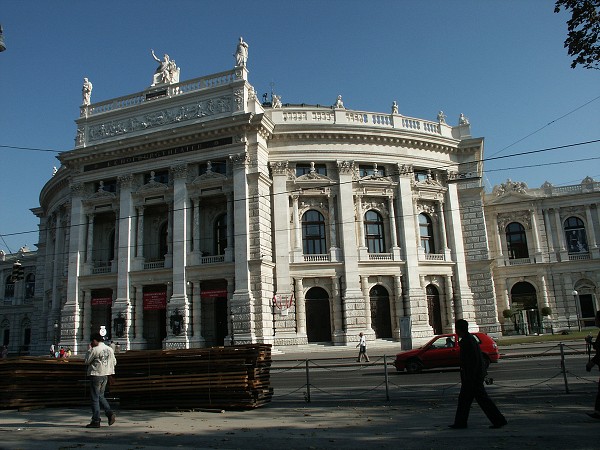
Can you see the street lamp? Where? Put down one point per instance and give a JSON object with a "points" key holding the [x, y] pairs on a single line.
{"points": [[576, 299], [55, 335]]}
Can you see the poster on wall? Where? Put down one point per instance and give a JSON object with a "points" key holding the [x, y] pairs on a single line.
{"points": [[155, 300], [213, 293]]}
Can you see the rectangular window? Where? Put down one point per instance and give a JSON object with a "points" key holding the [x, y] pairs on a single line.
{"points": [[215, 167], [106, 185], [365, 171], [161, 176], [303, 169]]}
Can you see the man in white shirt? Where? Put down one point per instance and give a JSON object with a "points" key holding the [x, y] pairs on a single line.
{"points": [[101, 362], [362, 351]]}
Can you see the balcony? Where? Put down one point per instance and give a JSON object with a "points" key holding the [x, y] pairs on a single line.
{"points": [[519, 261], [579, 256], [214, 259], [154, 264], [316, 258], [437, 257], [100, 267]]}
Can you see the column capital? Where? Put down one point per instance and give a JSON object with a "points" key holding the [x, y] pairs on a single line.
{"points": [[346, 167], [180, 171], [77, 189], [125, 181], [239, 160], [279, 167]]}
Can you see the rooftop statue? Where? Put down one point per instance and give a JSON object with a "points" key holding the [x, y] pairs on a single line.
{"points": [[86, 92], [167, 72], [441, 117], [462, 120], [339, 103], [241, 53], [276, 101], [395, 107]]}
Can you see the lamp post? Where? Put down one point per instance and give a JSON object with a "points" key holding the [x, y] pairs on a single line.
{"points": [[55, 335], [576, 299]]}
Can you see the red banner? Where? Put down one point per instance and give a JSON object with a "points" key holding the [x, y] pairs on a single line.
{"points": [[102, 301], [214, 293], [155, 300]]}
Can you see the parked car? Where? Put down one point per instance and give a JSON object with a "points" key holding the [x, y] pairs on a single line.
{"points": [[444, 351]]}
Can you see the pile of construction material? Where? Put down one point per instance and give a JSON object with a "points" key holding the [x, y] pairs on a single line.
{"points": [[212, 378]]}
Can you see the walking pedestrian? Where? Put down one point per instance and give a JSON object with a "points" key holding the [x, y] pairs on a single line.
{"points": [[101, 363], [472, 375], [362, 351], [592, 362]]}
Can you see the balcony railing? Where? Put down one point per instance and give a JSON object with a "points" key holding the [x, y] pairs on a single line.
{"points": [[214, 259], [101, 267], [154, 264], [380, 257], [317, 258], [435, 257], [518, 261], [579, 256]]}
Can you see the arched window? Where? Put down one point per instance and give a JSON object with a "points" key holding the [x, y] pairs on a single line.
{"points": [[9, 288], [374, 232], [575, 235], [313, 233], [516, 241], [30, 286], [220, 234], [426, 232]]}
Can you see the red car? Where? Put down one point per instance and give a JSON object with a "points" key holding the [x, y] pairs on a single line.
{"points": [[443, 351]]}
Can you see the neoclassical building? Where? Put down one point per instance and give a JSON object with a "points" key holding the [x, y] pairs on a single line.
{"points": [[544, 244], [193, 214]]}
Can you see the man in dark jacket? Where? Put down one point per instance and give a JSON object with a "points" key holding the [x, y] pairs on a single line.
{"points": [[592, 362], [472, 375]]}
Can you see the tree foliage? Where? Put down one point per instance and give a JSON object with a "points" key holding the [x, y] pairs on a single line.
{"points": [[583, 31]]}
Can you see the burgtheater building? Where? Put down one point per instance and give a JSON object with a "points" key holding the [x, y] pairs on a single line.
{"points": [[192, 214]]}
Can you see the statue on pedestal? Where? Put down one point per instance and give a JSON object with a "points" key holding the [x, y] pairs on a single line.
{"points": [[86, 92], [241, 53], [167, 72]]}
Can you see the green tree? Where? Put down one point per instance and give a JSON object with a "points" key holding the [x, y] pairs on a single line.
{"points": [[583, 31]]}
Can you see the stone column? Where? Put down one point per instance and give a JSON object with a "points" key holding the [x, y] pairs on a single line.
{"points": [[536, 235], [242, 302], [449, 305], [559, 231], [393, 229], [416, 302], [297, 229], [463, 293], [196, 338], [86, 322], [300, 309], [139, 342], [549, 238], [90, 240], [442, 227], [196, 227], [398, 306], [140, 232], [338, 324], [332, 221], [69, 317], [364, 281], [590, 228], [360, 221], [230, 240], [179, 232], [353, 299]]}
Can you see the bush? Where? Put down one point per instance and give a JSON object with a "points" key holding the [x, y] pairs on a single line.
{"points": [[508, 313]]}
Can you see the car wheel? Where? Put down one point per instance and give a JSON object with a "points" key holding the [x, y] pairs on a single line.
{"points": [[413, 366]]}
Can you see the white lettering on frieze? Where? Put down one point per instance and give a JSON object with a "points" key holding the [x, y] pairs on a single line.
{"points": [[204, 108]]}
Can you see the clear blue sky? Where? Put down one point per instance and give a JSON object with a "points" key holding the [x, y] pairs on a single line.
{"points": [[501, 63]]}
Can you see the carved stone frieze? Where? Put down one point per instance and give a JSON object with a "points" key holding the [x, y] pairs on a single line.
{"points": [[509, 187], [376, 204], [279, 167], [522, 217], [238, 99], [346, 167], [209, 107], [426, 207]]}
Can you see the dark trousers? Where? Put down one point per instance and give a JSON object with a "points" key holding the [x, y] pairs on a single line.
{"points": [[597, 406], [476, 390]]}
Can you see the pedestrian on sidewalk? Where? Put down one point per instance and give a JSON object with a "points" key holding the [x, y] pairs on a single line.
{"points": [[101, 363], [362, 351], [472, 375], [592, 362]]}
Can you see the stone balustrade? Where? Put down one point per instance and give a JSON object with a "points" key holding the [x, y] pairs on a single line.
{"points": [[327, 116]]}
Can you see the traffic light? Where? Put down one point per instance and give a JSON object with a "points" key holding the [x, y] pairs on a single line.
{"points": [[18, 272]]}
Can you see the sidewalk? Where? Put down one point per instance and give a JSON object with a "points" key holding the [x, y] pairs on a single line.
{"points": [[536, 420]]}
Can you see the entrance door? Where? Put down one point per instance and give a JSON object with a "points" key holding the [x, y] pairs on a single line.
{"points": [[155, 328], [220, 320], [381, 320], [434, 308], [588, 311], [318, 318]]}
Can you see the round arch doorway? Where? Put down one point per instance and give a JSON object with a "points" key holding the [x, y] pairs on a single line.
{"points": [[434, 308], [318, 317], [381, 320], [523, 299]]}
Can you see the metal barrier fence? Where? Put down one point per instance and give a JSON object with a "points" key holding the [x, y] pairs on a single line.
{"points": [[385, 383]]}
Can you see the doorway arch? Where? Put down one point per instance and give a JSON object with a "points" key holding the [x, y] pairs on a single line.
{"points": [[318, 316], [523, 297], [434, 308], [381, 319]]}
